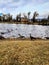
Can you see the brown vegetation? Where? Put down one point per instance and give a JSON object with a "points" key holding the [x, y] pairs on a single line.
{"points": [[24, 52]]}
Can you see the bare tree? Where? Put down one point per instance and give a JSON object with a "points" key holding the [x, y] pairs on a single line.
{"points": [[35, 15], [25, 18], [29, 16], [9, 17], [48, 17], [0, 18], [4, 17], [18, 18], [24, 15]]}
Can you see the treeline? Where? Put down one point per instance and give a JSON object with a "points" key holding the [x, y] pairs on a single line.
{"points": [[25, 19]]}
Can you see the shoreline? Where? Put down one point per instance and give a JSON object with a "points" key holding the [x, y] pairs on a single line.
{"points": [[28, 23], [14, 39]]}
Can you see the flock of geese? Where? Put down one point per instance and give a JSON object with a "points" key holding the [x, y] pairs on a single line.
{"points": [[20, 36], [31, 37]]}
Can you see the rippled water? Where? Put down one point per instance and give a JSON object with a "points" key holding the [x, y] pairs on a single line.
{"points": [[12, 30]]}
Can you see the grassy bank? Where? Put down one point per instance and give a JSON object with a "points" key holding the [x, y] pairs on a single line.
{"points": [[25, 52]]}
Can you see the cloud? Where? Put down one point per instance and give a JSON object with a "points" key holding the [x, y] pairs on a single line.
{"points": [[20, 3], [16, 6]]}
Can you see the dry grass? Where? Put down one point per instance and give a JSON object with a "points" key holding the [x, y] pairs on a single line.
{"points": [[24, 52]]}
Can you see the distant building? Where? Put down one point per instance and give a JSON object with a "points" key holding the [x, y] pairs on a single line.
{"points": [[24, 20]]}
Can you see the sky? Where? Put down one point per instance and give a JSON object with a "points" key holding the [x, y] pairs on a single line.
{"points": [[15, 7]]}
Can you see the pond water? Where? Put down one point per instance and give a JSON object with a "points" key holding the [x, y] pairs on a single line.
{"points": [[13, 30]]}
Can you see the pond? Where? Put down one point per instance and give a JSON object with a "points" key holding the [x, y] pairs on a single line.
{"points": [[13, 30]]}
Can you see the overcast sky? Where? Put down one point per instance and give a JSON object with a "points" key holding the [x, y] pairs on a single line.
{"points": [[20, 6]]}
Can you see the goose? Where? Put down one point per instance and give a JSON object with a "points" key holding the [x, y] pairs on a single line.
{"points": [[47, 37], [1, 37], [32, 37], [21, 36], [2, 33]]}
